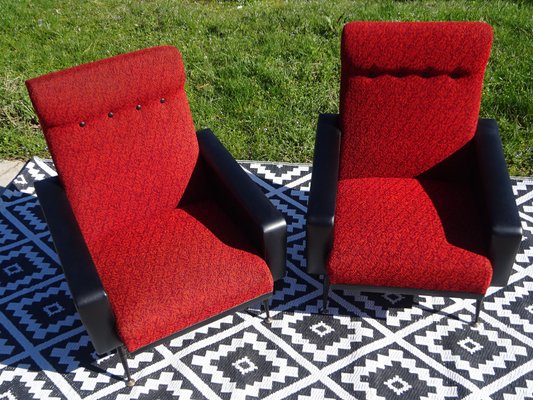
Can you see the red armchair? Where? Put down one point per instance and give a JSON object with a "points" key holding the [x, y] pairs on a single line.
{"points": [[410, 191], [157, 227]]}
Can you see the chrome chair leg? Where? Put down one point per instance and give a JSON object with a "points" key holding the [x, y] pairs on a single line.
{"points": [[479, 303], [124, 360], [267, 311]]}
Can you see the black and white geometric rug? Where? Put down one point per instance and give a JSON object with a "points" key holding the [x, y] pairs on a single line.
{"points": [[374, 346]]}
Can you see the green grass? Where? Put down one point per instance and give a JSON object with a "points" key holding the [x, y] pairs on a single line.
{"points": [[259, 72]]}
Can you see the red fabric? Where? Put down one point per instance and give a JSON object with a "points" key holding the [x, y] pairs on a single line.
{"points": [[410, 233], [90, 91], [410, 94], [178, 268], [164, 268], [121, 169]]}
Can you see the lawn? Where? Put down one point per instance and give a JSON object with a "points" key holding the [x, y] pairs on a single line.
{"points": [[259, 72]]}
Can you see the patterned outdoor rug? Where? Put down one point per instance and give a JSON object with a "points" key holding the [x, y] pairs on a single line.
{"points": [[376, 346]]}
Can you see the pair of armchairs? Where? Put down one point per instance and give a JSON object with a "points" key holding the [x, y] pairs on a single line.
{"points": [[159, 230]]}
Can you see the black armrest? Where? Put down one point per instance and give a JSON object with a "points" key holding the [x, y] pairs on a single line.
{"points": [[322, 198], [246, 202], [85, 286], [502, 212]]}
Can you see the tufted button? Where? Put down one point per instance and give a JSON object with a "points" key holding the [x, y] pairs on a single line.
{"points": [[162, 100], [110, 114], [138, 107], [82, 124]]}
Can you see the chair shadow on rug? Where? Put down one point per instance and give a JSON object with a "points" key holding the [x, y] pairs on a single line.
{"points": [[380, 306]]}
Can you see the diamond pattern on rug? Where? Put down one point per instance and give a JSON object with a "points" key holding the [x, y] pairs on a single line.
{"points": [[26, 380], [391, 373], [9, 346], [31, 215], [23, 266], [316, 393], [482, 353], [370, 345], [45, 314], [245, 364], [513, 305], [321, 338], [8, 234], [86, 372], [162, 384], [521, 388]]}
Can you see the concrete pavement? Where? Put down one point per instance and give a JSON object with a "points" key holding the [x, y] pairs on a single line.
{"points": [[8, 170]]}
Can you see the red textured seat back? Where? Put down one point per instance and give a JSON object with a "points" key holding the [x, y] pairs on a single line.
{"points": [[410, 94], [121, 136]]}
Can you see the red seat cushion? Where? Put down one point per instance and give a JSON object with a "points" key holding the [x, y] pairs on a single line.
{"points": [[410, 94], [411, 233], [176, 269]]}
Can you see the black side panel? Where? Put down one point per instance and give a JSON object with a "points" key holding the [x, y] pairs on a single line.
{"points": [[83, 280], [505, 228], [246, 203], [322, 198]]}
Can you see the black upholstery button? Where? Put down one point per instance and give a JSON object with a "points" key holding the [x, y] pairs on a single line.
{"points": [[110, 114], [138, 107], [162, 100], [82, 124]]}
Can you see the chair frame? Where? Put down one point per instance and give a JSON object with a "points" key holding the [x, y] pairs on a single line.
{"points": [[500, 205], [263, 223]]}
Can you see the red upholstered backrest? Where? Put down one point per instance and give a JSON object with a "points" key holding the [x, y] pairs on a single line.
{"points": [[410, 94], [124, 166]]}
